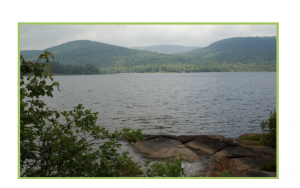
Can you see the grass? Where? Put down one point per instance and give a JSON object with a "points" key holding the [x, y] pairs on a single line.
{"points": [[225, 174], [253, 138], [256, 138], [269, 166]]}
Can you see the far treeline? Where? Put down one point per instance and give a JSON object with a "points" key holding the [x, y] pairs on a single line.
{"points": [[87, 69], [240, 54]]}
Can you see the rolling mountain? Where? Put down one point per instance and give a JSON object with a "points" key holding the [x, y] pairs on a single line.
{"points": [[167, 49], [88, 52], [240, 49], [233, 54]]}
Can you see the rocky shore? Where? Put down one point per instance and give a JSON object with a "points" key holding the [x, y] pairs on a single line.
{"points": [[216, 154]]}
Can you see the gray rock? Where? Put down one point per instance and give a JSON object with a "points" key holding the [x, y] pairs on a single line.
{"points": [[263, 150], [249, 143], [251, 134], [185, 138], [235, 152], [250, 163], [162, 148], [210, 144], [247, 158], [259, 174], [226, 153], [149, 137]]}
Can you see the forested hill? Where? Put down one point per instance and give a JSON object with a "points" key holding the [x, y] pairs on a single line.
{"points": [[89, 52], [240, 49], [167, 49], [233, 54]]}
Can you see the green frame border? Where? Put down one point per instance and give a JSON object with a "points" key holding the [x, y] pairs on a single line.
{"points": [[158, 23]]}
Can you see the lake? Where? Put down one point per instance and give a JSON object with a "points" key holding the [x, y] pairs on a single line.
{"points": [[227, 104]]}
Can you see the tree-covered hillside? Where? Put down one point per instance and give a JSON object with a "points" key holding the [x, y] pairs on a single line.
{"points": [[240, 49], [168, 49], [105, 56], [234, 54], [88, 52]]}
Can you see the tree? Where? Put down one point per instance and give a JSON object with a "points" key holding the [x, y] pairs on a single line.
{"points": [[74, 148], [269, 128]]}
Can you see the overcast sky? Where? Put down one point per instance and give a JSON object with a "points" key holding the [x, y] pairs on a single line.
{"points": [[39, 37]]}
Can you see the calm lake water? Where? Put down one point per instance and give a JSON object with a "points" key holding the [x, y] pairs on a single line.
{"points": [[227, 104]]}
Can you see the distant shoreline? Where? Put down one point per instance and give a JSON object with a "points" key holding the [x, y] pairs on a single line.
{"points": [[54, 74]]}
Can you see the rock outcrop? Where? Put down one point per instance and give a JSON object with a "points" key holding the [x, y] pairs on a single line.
{"points": [[162, 148], [210, 144], [226, 154]]}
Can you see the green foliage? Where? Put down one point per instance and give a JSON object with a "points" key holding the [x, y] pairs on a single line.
{"points": [[240, 49], [269, 128], [75, 148], [253, 138], [49, 148], [165, 169], [86, 69], [225, 174], [257, 138], [269, 166], [167, 49]]}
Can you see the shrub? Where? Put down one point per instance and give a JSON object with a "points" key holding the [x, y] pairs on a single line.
{"points": [[225, 174], [269, 128], [269, 166], [49, 148], [165, 169]]}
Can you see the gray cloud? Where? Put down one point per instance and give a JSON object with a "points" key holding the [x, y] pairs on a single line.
{"points": [[43, 36]]}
